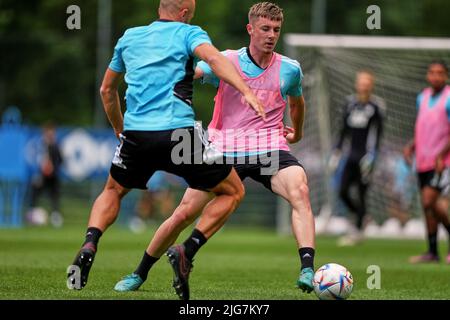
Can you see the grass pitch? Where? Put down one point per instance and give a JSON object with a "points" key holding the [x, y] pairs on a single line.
{"points": [[236, 264]]}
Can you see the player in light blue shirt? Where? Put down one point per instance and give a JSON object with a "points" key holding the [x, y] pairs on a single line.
{"points": [[158, 61], [265, 20]]}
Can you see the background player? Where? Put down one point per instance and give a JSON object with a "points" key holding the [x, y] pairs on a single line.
{"points": [[431, 146], [48, 175], [362, 126]]}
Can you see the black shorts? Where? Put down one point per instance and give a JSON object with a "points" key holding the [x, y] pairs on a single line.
{"points": [[262, 168], [141, 153], [440, 182]]}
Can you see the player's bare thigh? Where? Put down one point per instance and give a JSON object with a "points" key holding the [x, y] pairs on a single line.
{"points": [[289, 180]]}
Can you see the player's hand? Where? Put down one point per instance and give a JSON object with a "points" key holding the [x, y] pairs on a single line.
{"points": [[290, 135], [408, 155], [254, 102], [334, 160], [440, 165], [366, 165], [118, 134], [47, 168]]}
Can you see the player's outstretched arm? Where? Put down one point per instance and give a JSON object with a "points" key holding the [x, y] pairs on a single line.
{"points": [[111, 101], [226, 71], [408, 152], [297, 110]]}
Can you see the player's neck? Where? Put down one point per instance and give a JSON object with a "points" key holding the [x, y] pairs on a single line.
{"points": [[437, 90], [259, 58], [163, 16], [363, 98]]}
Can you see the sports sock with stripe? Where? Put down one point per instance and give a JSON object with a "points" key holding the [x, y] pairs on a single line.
{"points": [[194, 243], [307, 257]]}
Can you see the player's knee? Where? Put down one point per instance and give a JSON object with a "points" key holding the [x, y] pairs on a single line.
{"points": [[235, 190], [116, 188], [299, 193], [185, 213], [237, 196], [121, 192], [304, 192], [428, 205], [182, 218]]}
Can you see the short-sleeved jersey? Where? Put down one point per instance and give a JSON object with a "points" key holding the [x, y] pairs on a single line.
{"points": [[159, 63], [432, 129], [291, 74], [362, 125], [433, 102]]}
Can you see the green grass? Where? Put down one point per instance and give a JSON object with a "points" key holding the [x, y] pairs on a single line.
{"points": [[236, 264]]}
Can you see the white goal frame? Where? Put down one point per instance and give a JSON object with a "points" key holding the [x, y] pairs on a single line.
{"points": [[369, 42], [293, 41]]}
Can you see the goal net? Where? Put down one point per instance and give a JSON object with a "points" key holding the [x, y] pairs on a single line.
{"points": [[330, 64]]}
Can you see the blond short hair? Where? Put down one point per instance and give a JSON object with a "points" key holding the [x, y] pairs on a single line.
{"points": [[265, 10], [366, 72]]}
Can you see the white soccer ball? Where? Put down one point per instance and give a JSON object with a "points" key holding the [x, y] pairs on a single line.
{"points": [[333, 282], [37, 217]]}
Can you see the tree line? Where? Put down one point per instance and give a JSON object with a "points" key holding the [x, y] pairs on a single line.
{"points": [[49, 72]]}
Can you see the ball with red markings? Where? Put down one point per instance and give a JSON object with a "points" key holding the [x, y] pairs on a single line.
{"points": [[333, 282]]}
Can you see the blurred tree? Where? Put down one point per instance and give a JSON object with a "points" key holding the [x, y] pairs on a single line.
{"points": [[46, 69], [49, 71]]}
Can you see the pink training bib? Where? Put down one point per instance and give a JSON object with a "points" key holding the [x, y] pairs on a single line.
{"points": [[236, 127], [432, 130]]}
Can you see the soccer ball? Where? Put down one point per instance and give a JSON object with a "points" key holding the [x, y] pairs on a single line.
{"points": [[37, 217], [333, 282]]}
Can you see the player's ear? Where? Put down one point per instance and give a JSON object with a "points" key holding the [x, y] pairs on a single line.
{"points": [[249, 29], [184, 13]]}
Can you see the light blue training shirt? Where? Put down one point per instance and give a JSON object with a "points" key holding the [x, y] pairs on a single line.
{"points": [[159, 63]]}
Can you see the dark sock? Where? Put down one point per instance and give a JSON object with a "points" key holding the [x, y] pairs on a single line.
{"points": [[194, 243], [92, 237], [359, 222], [144, 267], [447, 228], [307, 257], [432, 243]]}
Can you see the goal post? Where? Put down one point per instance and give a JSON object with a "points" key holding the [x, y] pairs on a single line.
{"points": [[292, 40], [329, 64]]}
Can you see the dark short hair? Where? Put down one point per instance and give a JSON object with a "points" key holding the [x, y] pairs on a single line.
{"points": [[441, 63], [49, 125]]}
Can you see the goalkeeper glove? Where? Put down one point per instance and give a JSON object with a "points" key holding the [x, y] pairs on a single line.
{"points": [[366, 165], [334, 160]]}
